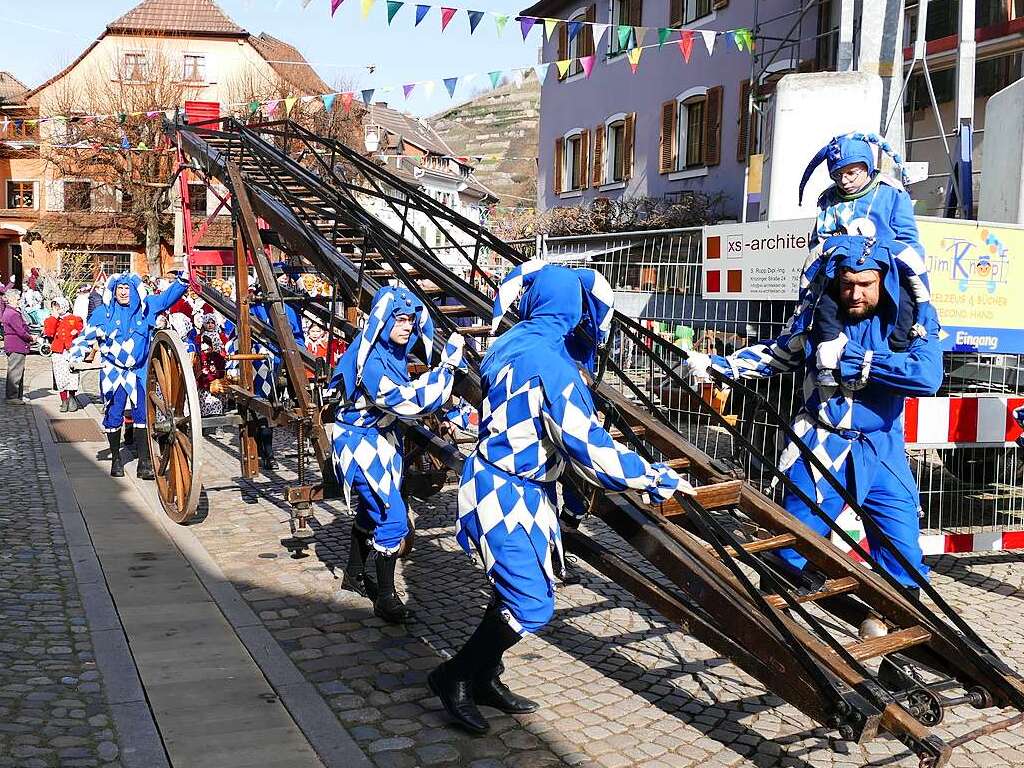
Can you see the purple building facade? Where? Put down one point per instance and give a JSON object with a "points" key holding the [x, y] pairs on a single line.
{"points": [[673, 127]]}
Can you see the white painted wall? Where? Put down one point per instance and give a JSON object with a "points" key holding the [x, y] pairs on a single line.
{"points": [[1002, 181]]}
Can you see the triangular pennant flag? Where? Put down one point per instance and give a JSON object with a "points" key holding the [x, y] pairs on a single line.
{"points": [[428, 88], [367, 95], [526, 24], [474, 19], [500, 21], [634, 58], [408, 88], [467, 79], [641, 33], [541, 71], [736, 38], [289, 103], [151, 114], [335, 5], [305, 3], [574, 29], [446, 16], [421, 11], [517, 78], [272, 106], [450, 83], [254, 107], [328, 100], [394, 6], [624, 34], [709, 39], [663, 35], [598, 30], [744, 38], [306, 99], [686, 44], [366, 6], [587, 62], [563, 67], [346, 101], [495, 78], [549, 28], [171, 114]]}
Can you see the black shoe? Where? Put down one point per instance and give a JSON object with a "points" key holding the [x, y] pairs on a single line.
{"points": [[144, 470], [357, 576], [114, 441], [129, 435], [63, 406], [388, 605], [491, 692], [73, 403], [564, 570], [457, 699]]}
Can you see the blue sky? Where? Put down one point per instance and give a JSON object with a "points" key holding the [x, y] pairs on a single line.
{"points": [[40, 38]]}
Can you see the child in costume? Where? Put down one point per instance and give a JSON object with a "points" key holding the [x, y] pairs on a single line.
{"points": [[537, 417], [123, 327], [62, 328], [864, 202], [377, 393]]}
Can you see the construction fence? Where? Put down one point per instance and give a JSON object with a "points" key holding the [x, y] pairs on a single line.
{"points": [[969, 486]]}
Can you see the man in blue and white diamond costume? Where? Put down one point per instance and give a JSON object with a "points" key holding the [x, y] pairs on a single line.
{"points": [[857, 430], [372, 378], [123, 326], [537, 417]]}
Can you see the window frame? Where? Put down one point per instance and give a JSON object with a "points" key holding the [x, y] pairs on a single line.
{"points": [[573, 46], [684, 101], [202, 57], [125, 75], [608, 159], [34, 185], [575, 185], [615, 12], [694, 18]]}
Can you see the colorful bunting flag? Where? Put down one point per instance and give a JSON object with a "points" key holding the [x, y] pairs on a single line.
{"points": [[549, 28], [686, 44], [474, 19], [272, 106], [254, 107], [450, 83], [526, 24], [743, 37], [346, 101], [574, 29], [500, 21], [634, 58], [598, 30], [428, 88], [541, 70], [394, 6], [421, 11], [709, 40], [328, 100], [367, 95], [587, 62], [446, 16], [663, 35], [335, 5], [408, 88], [366, 6], [563, 67], [289, 103], [517, 78], [495, 78], [625, 33], [641, 33]]}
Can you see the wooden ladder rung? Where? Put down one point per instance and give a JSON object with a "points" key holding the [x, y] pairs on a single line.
{"points": [[766, 544], [891, 643], [639, 430], [832, 587], [454, 309], [475, 330], [680, 462], [711, 497]]}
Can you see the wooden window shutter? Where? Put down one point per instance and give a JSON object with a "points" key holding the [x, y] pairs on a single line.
{"points": [[584, 168], [713, 126], [559, 152], [667, 153], [587, 33], [675, 12], [629, 129], [635, 13], [720, 4], [745, 122], [563, 43], [597, 175]]}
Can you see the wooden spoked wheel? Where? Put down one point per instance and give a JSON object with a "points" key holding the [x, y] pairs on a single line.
{"points": [[174, 426]]}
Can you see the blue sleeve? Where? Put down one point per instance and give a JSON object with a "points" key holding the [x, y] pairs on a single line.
{"points": [[296, 324], [915, 373], [902, 220], [161, 302], [768, 358]]}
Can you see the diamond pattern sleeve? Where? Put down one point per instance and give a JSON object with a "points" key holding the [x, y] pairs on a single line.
{"points": [[417, 398]]}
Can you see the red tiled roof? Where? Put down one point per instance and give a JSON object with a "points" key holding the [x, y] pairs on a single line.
{"points": [[299, 75], [201, 17], [11, 88]]}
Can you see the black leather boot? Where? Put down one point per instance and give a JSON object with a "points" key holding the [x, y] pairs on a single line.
{"points": [[388, 605], [129, 435], [489, 691], [114, 441], [357, 576], [144, 470]]}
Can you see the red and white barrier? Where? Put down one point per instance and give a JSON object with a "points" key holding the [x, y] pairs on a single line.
{"points": [[961, 422]]}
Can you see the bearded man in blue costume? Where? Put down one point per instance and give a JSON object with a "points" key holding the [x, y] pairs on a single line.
{"points": [[123, 327], [857, 430], [537, 417], [377, 394]]}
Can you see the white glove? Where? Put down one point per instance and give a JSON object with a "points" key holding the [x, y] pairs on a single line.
{"points": [[696, 365], [666, 482], [829, 352], [452, 356]]}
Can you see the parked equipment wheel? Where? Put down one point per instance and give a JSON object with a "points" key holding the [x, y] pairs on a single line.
{"points": [[174, 426]]}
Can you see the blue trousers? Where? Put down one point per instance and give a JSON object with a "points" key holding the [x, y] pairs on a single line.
{"points": [[389, 525], [113, 415], [526, 596], [887, 492]]}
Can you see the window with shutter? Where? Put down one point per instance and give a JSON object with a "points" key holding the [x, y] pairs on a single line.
{"points": [[743, 149], [720, 4], [713, 126], [583, 171], [559, 151], [628, 133], [587, 33], [667, 149], [597, 172], [675, 12], [576, 47], [563, 45]]}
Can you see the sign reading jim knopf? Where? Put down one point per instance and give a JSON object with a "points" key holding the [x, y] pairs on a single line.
{"points": [[756, 260]]}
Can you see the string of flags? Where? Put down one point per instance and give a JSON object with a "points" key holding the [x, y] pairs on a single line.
{"points": [[684, 40]]}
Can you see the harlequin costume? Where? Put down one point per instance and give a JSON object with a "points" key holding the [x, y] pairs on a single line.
{"points": [[123, 333], [372, 380], [537, 418]]}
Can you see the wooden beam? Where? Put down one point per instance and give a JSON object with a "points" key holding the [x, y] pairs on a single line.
{"points": [[891, 643], [715, 496], [832, 588]]}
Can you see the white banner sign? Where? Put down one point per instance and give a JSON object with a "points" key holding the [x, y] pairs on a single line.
{"points": [[756, 260]]}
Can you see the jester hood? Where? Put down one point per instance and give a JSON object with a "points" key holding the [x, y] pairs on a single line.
{"points": [[372, 353], [843, 151]]}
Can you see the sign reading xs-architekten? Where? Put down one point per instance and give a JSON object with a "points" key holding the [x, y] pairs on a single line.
{"points": [[757, 260]]}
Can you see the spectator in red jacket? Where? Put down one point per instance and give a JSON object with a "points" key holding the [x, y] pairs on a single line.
{"points": [[61, 328]]}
